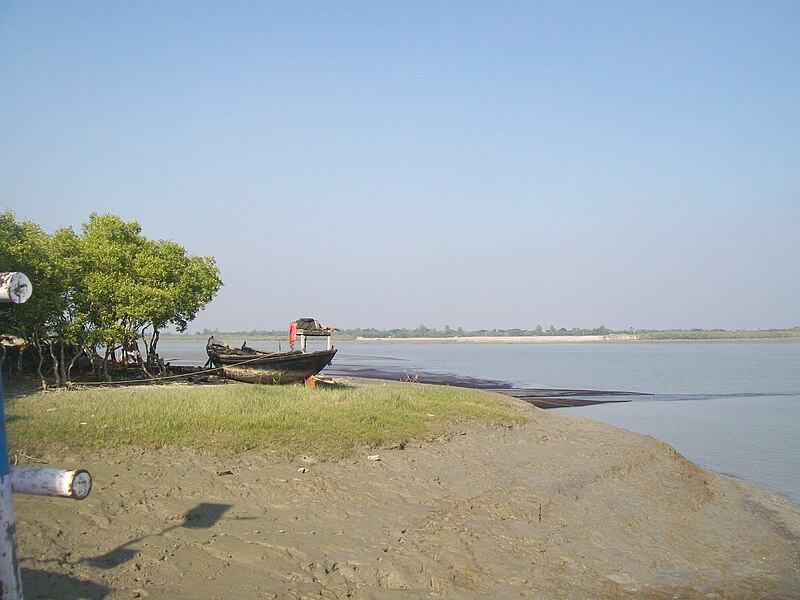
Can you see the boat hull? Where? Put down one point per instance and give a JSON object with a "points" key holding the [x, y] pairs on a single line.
{"points": [[272, 367]]}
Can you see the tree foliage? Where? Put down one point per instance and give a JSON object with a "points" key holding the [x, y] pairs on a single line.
{"points": [[100, 292]]}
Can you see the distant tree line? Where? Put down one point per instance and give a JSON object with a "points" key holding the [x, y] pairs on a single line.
{"points": [[429, 332], [419, 332], [98, 293], [448, 332], [719, 334]]}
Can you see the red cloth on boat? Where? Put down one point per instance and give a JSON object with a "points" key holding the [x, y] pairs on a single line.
{"points": [[292, 332]]}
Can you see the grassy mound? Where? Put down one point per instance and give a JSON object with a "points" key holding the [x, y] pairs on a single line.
{"points": [[329, 423]]}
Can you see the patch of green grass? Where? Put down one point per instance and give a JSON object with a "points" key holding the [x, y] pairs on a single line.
{"points": [[328, 423]]}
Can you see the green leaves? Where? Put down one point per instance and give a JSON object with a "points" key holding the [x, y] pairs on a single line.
{"points": [[25, 247], [104, 287]]}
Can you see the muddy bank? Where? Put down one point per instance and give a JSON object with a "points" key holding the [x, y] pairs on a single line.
{"points": [[561, 507]]}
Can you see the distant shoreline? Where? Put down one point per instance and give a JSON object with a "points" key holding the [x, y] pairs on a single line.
{"points": [[608, 338], [522, 339], [565, 339]]}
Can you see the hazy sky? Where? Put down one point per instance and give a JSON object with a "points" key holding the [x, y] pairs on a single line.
{"points": [[386, 164]]}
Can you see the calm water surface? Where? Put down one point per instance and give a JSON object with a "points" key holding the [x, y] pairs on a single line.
{"points": [[731, 407]]}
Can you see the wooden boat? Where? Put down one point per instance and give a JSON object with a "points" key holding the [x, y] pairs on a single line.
{"points": [[259, 366]]}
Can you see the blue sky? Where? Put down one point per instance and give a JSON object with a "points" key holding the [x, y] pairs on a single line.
{"points": [[386, 164]]}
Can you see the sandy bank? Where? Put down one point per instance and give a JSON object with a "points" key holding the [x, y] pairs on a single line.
{"points": [[561, 507], [524, 339]]}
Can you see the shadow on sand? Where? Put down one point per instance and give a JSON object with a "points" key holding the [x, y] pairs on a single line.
{"points": [[202, 516], [46, 584]]}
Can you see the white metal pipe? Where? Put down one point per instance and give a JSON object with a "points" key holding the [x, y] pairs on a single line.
{"points": [[10, 579], [15, 287], [46, 481]]}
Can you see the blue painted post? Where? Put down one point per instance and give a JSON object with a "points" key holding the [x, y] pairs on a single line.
{"points": [[14, 288], [10, 579]]}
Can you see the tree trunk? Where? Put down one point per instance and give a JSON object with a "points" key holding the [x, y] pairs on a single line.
{"points": [[148, 347], [105, 363], [153, 353], [42, 380], [92, 356], [140, 360], [63, 362], [56, 365], [19, 357], [77, 354]]}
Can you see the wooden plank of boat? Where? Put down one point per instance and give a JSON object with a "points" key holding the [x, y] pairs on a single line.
{"points": [[257, 366]]}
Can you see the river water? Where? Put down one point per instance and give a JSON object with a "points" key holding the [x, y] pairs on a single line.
{"points": [[731, 407]]}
